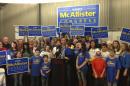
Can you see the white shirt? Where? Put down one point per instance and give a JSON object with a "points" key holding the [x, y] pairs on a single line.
{"points": [[105, 54], [2, 77], [46, 53], [92, 52]]}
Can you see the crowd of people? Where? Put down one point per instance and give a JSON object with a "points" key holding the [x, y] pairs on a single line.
{"points": [[96, 64]]}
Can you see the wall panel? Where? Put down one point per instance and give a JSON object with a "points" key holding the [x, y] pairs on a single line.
{"points": [[27, 14]]}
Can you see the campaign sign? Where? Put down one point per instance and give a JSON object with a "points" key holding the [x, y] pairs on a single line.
{"points": [[65, 27], [77, 31], [19, 65], [34, 30], [99, 32], [79, 15], [2, 58], [49, 31], [88, 31], [23, 30], [125, 35]]}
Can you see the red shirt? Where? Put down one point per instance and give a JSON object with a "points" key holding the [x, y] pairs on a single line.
{"points": [[3, 49], [98, 64]]}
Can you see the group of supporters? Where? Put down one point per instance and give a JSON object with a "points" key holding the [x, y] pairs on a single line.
{"points": [[95, 64]]}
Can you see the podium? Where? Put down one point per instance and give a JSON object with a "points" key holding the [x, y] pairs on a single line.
{"points": [[58, 74]]}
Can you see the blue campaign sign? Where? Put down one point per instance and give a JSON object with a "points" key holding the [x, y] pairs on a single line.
{"points": [[2, 58], [58, 30], [34, 30], [49, 31], [88, 31], [125, 35], [99, 32], [65, 27], [23, 30], [79, 15], [77, 31], [19, 65]]}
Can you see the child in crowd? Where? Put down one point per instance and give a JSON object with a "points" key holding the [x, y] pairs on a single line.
{"points": [[18, 77], [92, 49], [45, 69], [36, 62], [99, 68], [47, 51], [113, 69], [104, 50], [81, 64]]}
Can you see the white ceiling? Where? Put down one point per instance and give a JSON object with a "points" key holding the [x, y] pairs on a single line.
{"points": [[32, 1]]}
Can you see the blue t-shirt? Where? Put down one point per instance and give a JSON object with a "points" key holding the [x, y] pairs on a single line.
{"points": [[76, 52], [125, 60], [45, 67], [36, 65], [8, 52], [69, 53], [81, 58], [112, 66]]}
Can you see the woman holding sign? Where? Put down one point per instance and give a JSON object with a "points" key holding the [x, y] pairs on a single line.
{"points": [[18, 77], [125, 65], [3, 66]]}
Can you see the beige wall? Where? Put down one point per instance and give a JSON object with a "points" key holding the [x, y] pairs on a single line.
{"points": [[17, 14], [49, 11], [113, 13], [119, 14]]}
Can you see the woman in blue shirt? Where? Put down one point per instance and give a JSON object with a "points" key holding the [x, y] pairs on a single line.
{"points": [[125, 65], [81, 64], [113, 69]]}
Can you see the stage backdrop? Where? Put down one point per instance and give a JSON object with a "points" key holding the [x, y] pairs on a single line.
{"points": [[79, 15]]}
